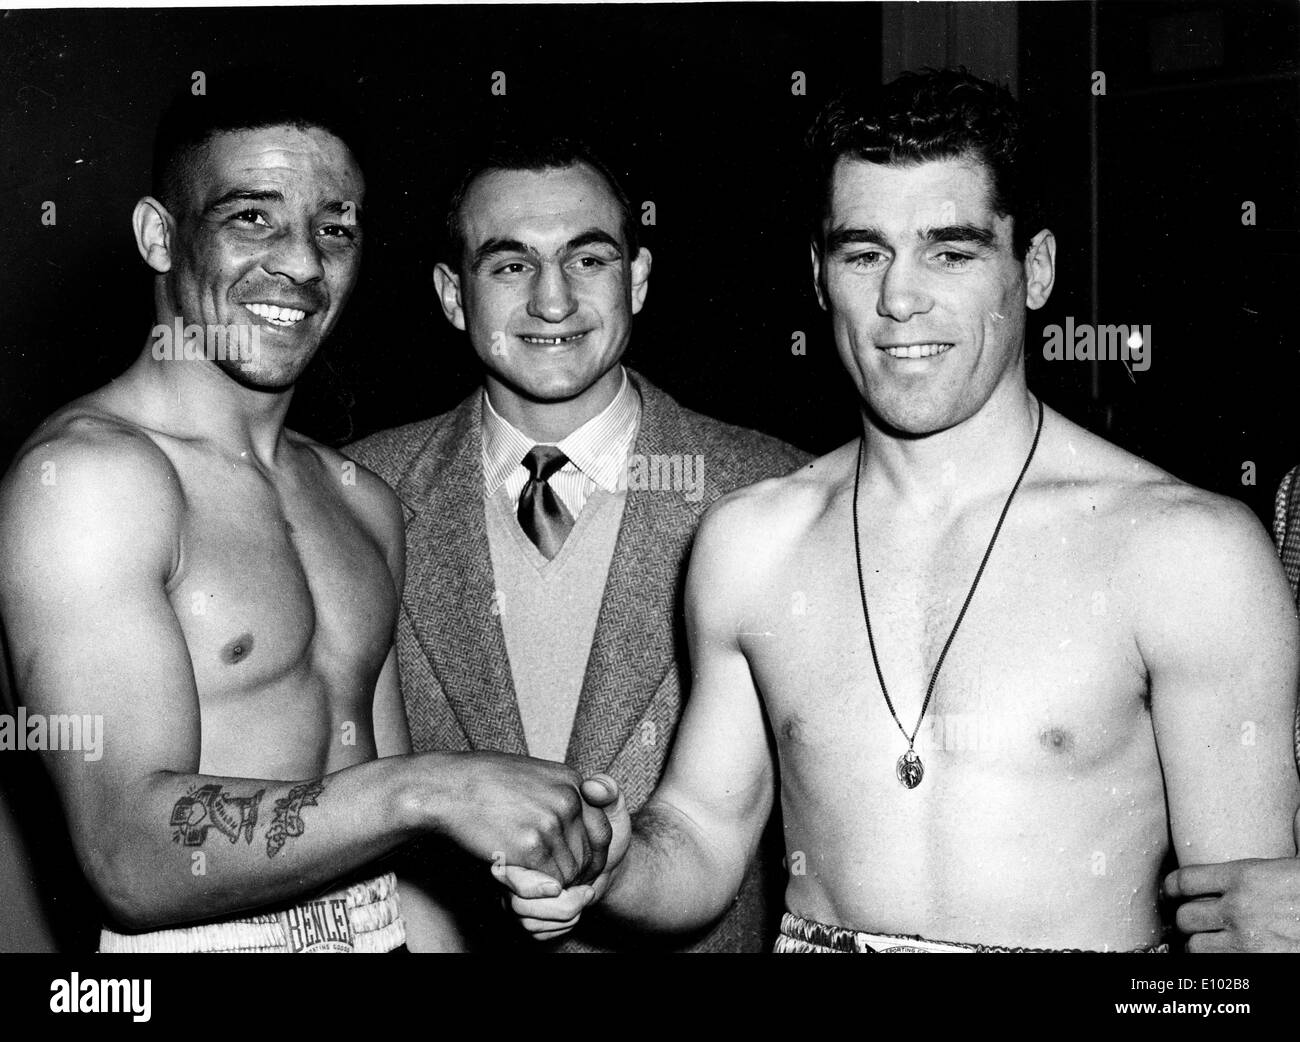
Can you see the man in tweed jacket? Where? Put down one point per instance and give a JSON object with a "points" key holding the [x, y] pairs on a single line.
{"points": [[547, 280]]}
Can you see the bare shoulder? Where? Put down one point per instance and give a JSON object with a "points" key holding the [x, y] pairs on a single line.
{"points": [[1193, 549], [1164, 530], [366, 494], [87, 479], [86, 451], [751, 530]]}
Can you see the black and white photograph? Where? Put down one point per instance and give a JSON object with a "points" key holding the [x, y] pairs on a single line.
{"points": [[732, 478]]}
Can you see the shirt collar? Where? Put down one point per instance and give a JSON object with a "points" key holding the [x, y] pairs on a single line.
{"points": [[598, 448]]}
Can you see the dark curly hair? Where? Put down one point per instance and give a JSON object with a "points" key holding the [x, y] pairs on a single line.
{"points": [[925, 115]]}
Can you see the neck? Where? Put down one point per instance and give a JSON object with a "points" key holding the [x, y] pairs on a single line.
{"points": [[548, 423], [950, 469], [195, 399]]}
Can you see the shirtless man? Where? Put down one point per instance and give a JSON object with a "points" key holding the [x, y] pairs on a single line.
{"points": [[1123, 680], [223, 591]]}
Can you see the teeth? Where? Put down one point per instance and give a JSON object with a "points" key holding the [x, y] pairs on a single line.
{"points": [[552, 340], [279, 316], [917, 350]]}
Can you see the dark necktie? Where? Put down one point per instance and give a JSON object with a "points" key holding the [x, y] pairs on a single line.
{"points": [[542, 516]]}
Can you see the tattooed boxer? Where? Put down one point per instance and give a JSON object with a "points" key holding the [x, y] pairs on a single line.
{"points": [[224, 591]]}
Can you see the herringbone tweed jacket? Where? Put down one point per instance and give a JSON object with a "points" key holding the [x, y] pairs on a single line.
{"points": [[452, 656], [1286, 534], [1286, 527]]}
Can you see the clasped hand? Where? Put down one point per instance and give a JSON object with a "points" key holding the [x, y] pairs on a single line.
{"points": [[549, 907]]}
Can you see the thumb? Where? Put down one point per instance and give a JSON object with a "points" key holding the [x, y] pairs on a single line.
{"points": [[600, 790]]}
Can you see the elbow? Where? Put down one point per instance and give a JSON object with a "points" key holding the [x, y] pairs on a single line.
{"points": [[130, 902]]}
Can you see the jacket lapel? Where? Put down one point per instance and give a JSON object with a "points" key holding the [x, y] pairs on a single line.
{"points": [[633, 646], [450, 589]]}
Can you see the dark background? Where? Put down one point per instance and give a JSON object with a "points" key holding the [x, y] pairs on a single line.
{"points": [[693, 103]]}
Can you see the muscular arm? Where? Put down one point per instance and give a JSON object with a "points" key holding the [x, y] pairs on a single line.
{"points": [[88, 536], [1218, 634], [694, 838]]}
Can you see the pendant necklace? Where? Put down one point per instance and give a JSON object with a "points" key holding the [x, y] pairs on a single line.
{"points": [[909, 768]]}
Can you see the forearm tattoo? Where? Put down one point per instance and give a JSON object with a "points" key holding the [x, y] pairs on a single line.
{"points": [[209, 807], [286, 819]]}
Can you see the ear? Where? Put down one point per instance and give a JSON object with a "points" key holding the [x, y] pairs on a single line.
{"points": [[447, 285], [154, 228], [816, 255], [640, 279], [1040, 269]]}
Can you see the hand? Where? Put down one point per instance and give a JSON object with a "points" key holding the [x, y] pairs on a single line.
{"points": [[1240, 906], [522, 811], [545, 909]]}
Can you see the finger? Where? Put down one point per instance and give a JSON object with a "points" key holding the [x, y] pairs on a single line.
{"points": [[550, 935], [571, 848], [526, 882], [600, 790], [1210, 943], [1198, 880], [559, 844], [553, 910], [1201, 915], [599, 833], [566, 865], [537, 854], [575, 834]]}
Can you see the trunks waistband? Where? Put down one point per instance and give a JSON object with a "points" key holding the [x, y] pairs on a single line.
{"points": [[362, 918], [807, 935]]}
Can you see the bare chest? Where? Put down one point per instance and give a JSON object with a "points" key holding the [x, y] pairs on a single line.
{"points": [[277, 583], [1041, 678]]}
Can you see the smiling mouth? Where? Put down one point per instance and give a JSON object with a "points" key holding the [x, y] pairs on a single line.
{"points": [[285, 318], [552, 341], [929, 350]]}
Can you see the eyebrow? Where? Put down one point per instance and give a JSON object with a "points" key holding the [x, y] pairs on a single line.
{"points": [[243, 195], [975, 234], [270, 195], [496, 246], [594, 237], [970, 233]]}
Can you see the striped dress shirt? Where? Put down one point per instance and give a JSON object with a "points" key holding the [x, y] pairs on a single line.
{"points": [[597, 452]]}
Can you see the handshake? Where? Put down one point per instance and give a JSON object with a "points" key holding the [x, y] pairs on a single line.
{"points": [[562, 840]]}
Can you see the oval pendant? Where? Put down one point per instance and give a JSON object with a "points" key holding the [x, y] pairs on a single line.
{"points": [[910, 770]]}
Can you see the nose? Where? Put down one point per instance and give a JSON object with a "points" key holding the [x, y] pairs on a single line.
{"points": [[296, 256], [902, 292], [552, 298]]}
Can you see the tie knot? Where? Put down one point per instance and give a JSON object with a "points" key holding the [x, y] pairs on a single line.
{"points": [[544, 460]]}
